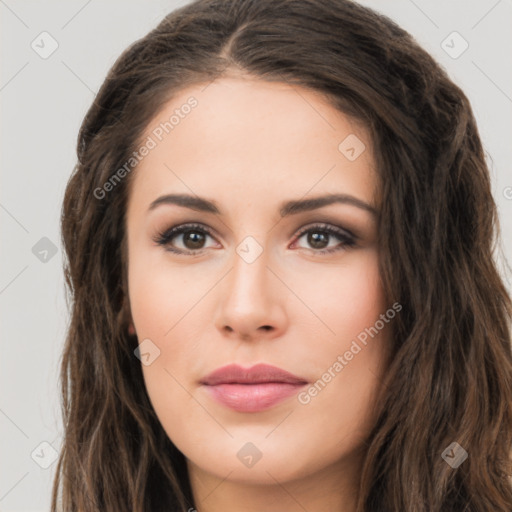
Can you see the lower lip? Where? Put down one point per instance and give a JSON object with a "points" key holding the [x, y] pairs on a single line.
{"points": [[253, 397]]}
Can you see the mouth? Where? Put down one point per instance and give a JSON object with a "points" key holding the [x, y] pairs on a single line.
{"points": [[252, 389]]}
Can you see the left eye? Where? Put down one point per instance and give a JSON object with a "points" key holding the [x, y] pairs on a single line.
{"points": [[318, 237], [194, 236]]}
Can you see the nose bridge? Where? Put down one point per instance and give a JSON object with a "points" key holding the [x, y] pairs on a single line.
{"points": [[249, 277], [249, 300]]}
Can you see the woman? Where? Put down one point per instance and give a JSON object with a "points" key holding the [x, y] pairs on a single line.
{"points": [[279, 242]]}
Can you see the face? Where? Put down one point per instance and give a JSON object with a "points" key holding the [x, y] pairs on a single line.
{"points": [[258, 273]]}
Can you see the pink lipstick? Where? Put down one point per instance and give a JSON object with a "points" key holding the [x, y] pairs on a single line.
{"points": [[252, 389]]}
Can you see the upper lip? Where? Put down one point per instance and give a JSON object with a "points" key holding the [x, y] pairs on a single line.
{"points": [[258, 374]]}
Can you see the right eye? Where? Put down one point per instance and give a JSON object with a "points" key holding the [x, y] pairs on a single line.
{"points": [[193, 238]]}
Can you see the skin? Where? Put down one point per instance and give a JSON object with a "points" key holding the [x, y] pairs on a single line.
{"points": [[248, 146]]}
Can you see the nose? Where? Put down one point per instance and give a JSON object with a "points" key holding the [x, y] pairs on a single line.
{"points": [[251, 301]]}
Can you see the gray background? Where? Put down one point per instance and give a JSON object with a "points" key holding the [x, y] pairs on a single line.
{"points": [[43, 101]]}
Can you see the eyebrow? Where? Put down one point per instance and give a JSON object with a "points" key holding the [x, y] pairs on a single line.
{"points": [[287, 208]]}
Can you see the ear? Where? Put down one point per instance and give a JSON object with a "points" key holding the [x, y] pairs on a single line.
{"points": [[127, 317]]}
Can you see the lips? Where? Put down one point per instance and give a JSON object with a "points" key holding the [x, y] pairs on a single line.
{"points": [[251, 389]]}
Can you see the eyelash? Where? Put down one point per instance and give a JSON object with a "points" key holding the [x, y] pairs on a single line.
{"points": [[164, 238]]}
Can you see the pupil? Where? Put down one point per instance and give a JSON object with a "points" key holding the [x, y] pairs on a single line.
{"points": [[194, 238], [317, 240]]}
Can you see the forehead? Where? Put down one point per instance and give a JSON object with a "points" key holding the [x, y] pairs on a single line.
{"points": [[256, 139]]}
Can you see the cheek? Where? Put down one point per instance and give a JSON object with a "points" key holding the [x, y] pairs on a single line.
{"points": [[346, 300], [362, 297], [160, 296], [350, 360], [162, 302]]}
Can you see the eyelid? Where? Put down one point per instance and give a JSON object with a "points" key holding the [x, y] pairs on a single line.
{"points": [[347, 237], [328, 227], [162, 236]]}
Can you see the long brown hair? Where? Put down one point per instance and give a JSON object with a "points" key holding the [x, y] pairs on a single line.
{"points": [[450, 378]]}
